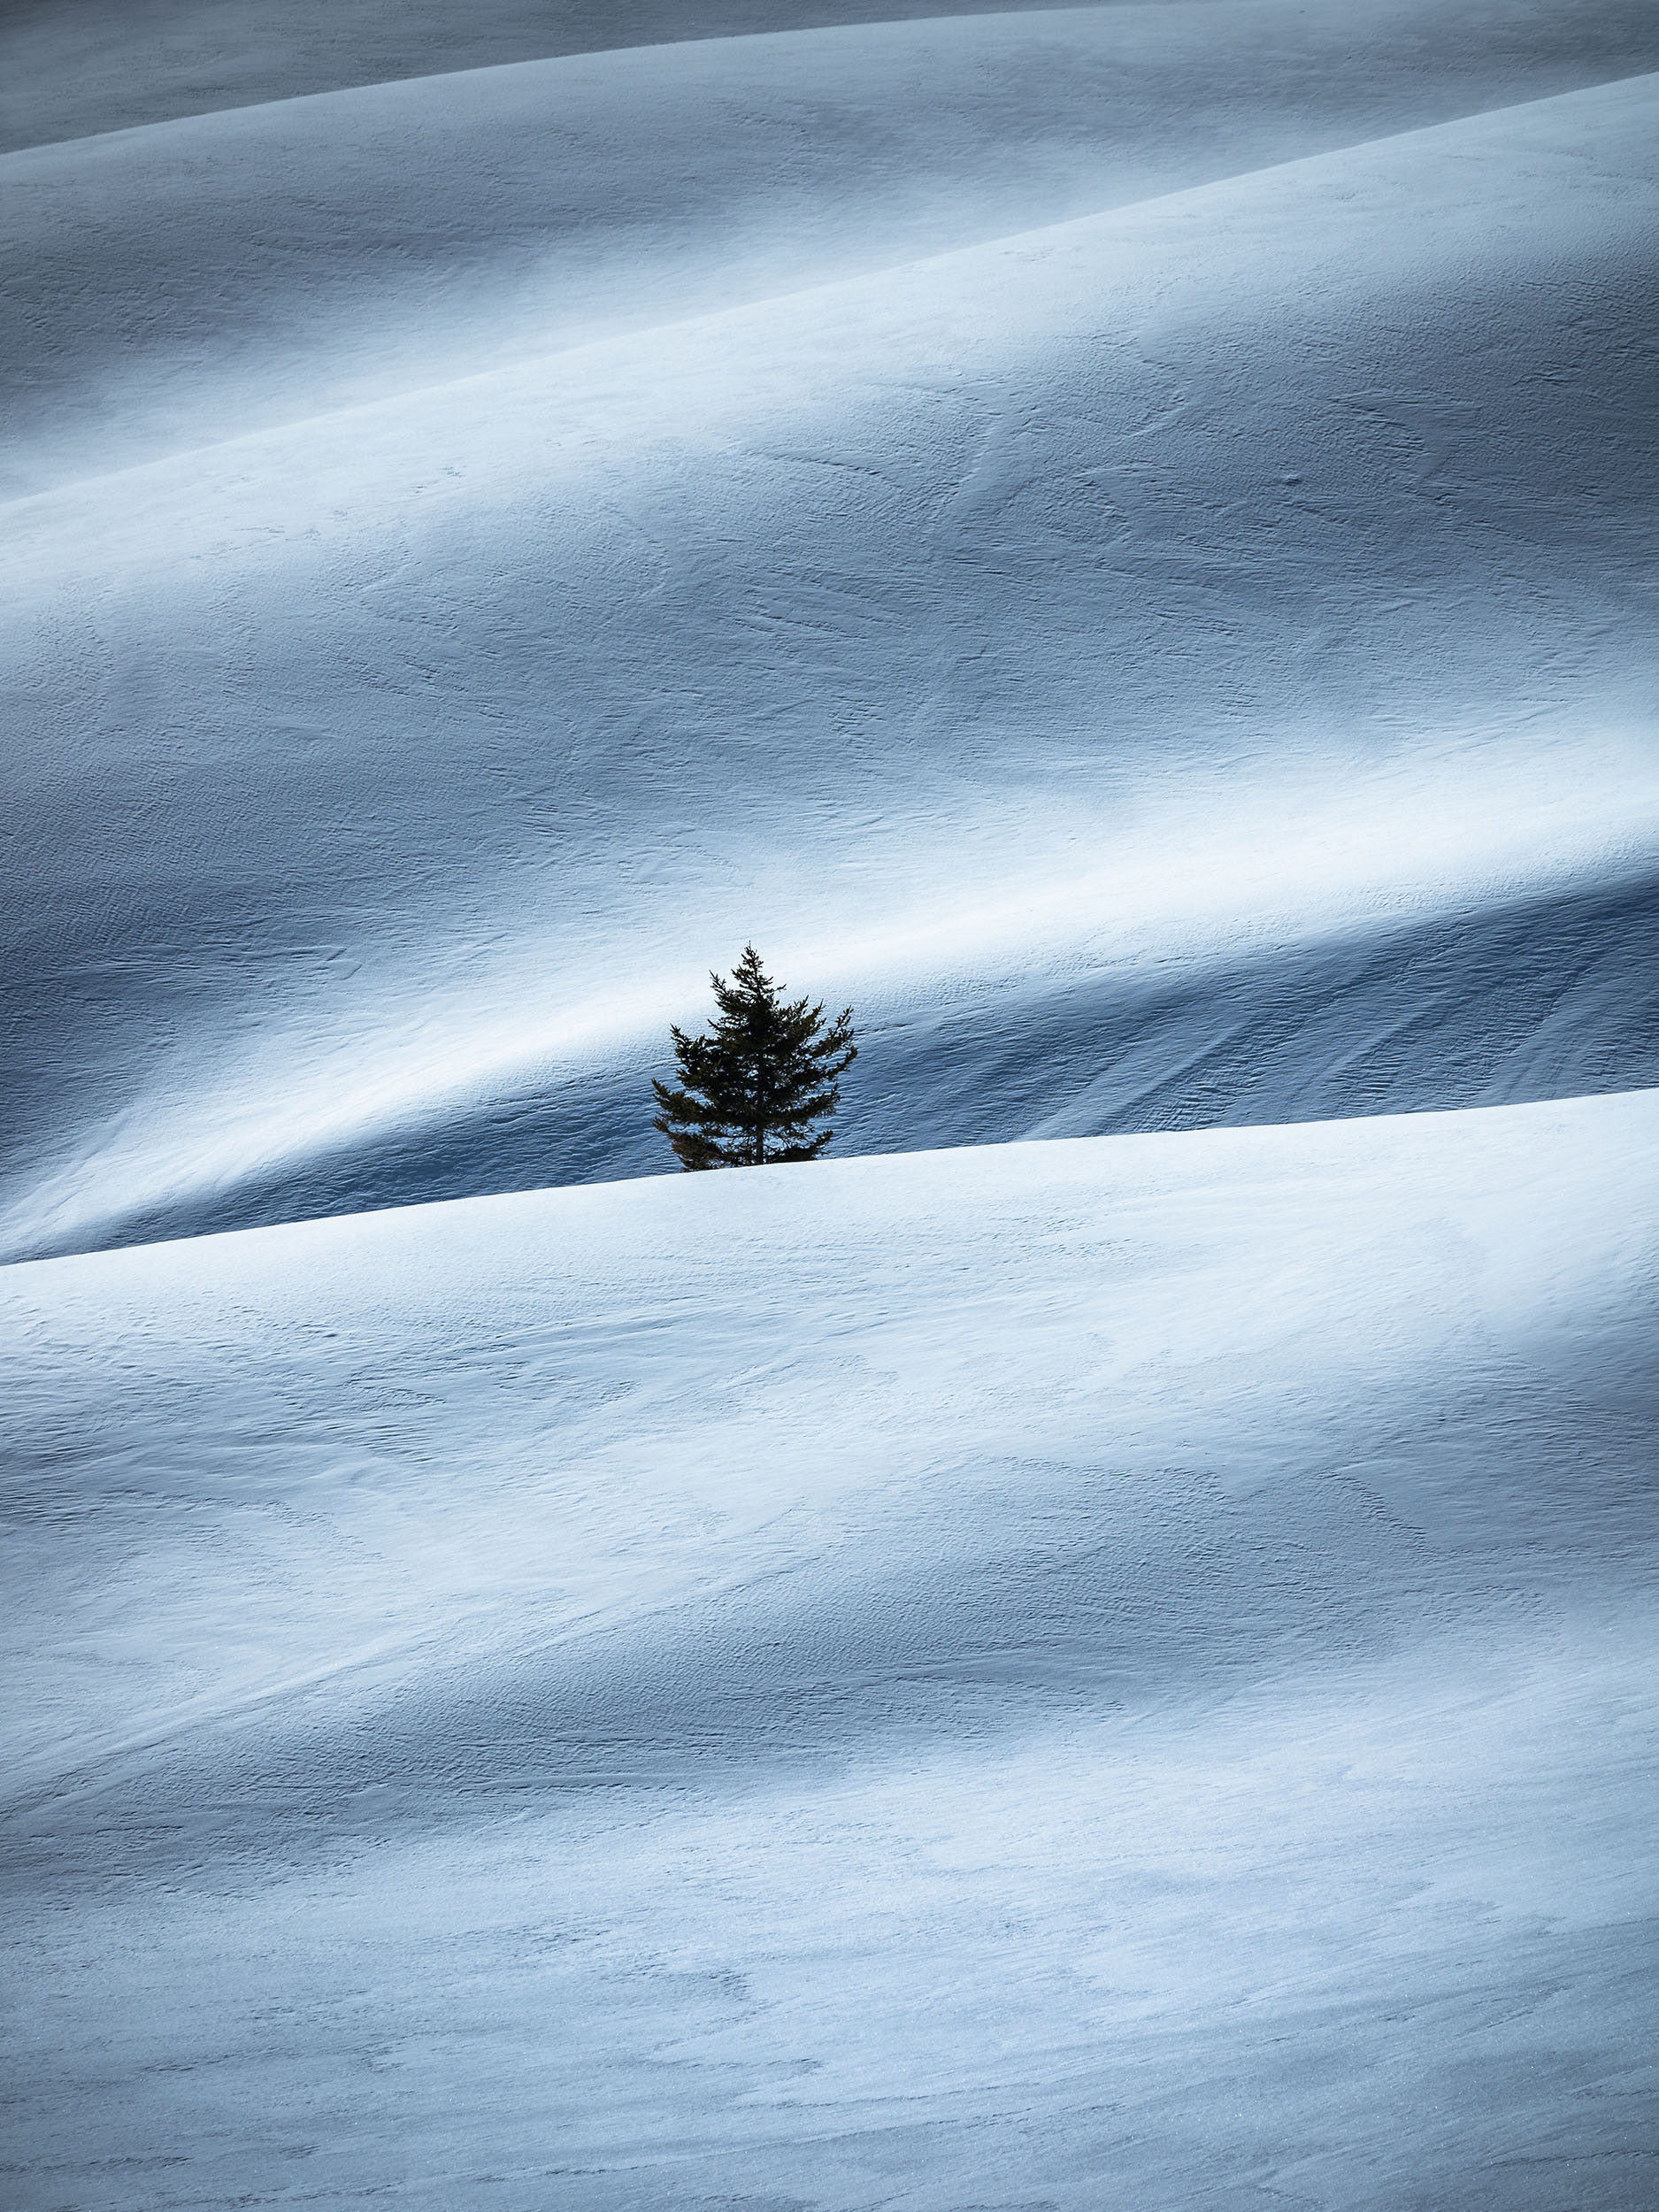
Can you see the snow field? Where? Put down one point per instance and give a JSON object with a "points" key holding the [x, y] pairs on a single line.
{"points": [[267, 264], [980, 1676], [1284, 538], [1052, 1663]]}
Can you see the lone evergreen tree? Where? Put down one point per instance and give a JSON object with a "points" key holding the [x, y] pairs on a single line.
{"points": [[753, 1085]]}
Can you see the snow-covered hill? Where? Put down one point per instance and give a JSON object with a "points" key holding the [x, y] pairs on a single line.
{"points": [[1193, 589], [263, 265], [1111, 1674], [108, 65], [1116, 1672]]}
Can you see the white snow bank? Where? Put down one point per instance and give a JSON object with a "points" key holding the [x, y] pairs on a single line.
{"points": [[1242, 573], [182, 285], [1117, 1672], [111, 65]]}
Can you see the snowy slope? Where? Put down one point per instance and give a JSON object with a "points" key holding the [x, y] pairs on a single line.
{"points": [[105, 65], [1155, 632], [175, 287], [1112, 1674], [1102, 1673], [108, 65]]}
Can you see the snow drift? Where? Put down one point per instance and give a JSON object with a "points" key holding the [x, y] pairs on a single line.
{"points": [[1107, 1672], [1104, 1671], [1213, 578]]}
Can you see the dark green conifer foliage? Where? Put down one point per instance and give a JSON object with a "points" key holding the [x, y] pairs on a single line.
{"points": [[752, 1087]]}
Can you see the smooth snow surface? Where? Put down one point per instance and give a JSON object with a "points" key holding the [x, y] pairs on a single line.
{"points": [[1082, 1674], [1107, 1674], [67, 71]]}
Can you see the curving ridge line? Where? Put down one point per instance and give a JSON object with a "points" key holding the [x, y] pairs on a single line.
{"points": [[1608, 39], [120, 64], [595, 360], [831, 471], [1156, 1697], [1215, 1546], [179, 286], [645, 1625]]}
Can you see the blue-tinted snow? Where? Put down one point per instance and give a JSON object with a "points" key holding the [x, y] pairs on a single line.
{"points": [[1113, 1672], [1201, 582]]}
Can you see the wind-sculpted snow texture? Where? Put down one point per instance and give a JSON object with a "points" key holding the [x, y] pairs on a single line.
{"points": [[1146, 510], [1107, 1674], [1116, 1672]]}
